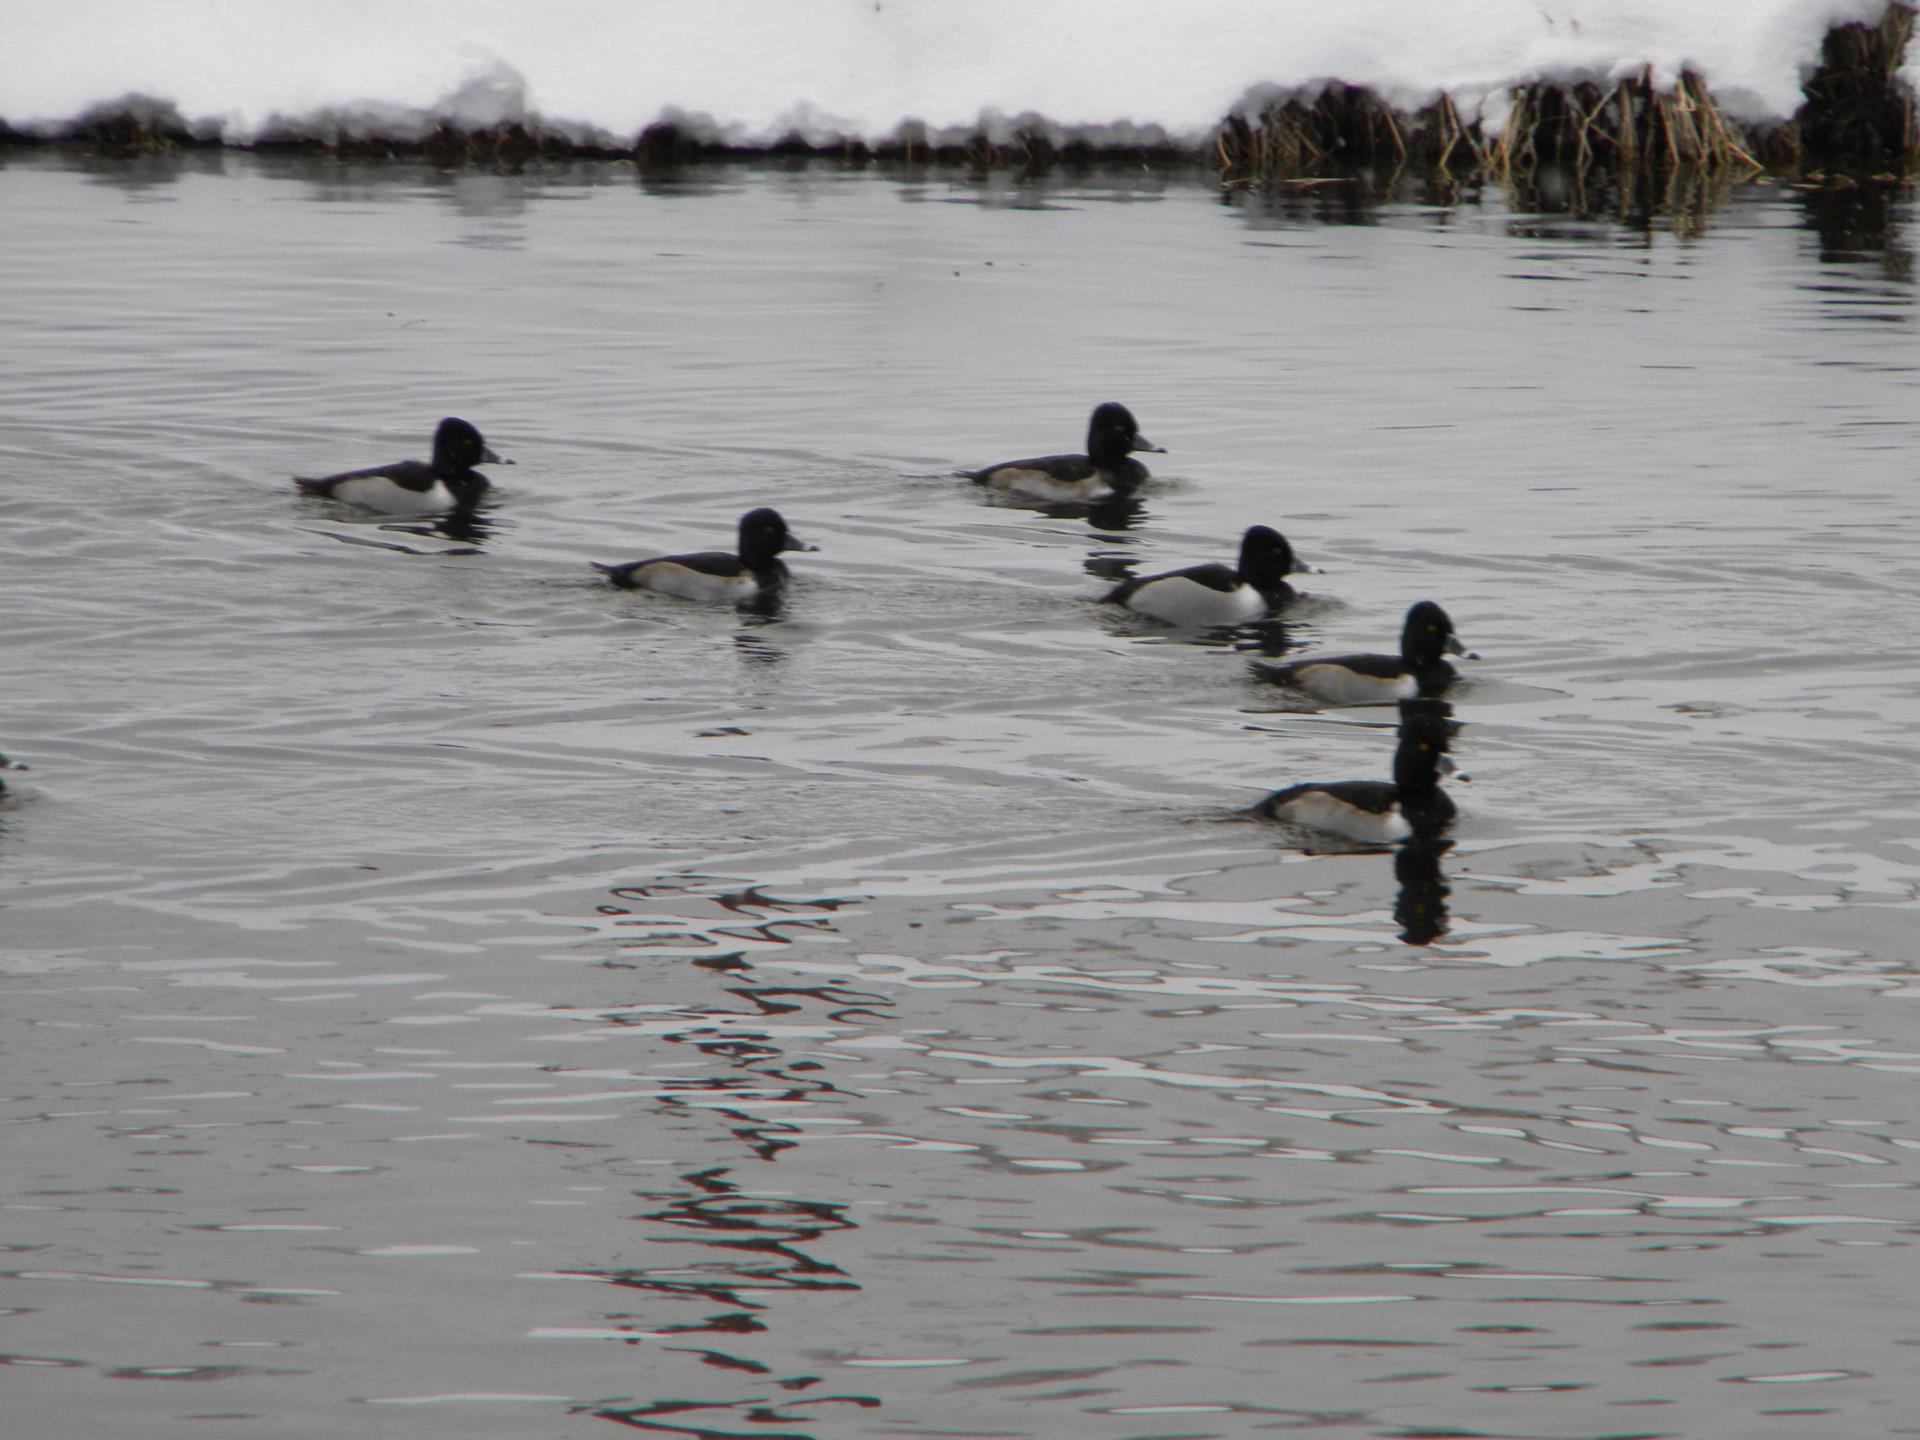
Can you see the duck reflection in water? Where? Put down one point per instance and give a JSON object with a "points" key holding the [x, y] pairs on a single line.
{"points": [[1421, 907], [1121, 513], [467, 530], [753, 641], [463, 527]]}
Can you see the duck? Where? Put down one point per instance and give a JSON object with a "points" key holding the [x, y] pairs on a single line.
{"points": [[1420, 669], [417, 487], [1216, 594], [715, 575], [1378, 812], [1107, 469], [9, 793]]}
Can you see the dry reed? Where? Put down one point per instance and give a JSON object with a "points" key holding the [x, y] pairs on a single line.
{"points": [[1632, 135]]}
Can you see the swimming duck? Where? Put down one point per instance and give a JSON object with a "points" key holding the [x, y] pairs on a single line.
{"points": [[1216, 594], [1105, 470], [1419, 669], [714, 574], [7, 793], [415, 487], [1377, 812]]}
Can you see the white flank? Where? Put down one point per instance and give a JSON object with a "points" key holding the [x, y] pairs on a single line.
{"points": [[669, 579], [1338, 685], [1320, 811], [1180, 601], [1039, 485], [377, 492]]}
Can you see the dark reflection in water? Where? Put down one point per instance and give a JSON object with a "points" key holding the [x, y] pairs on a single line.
{"points": [[466, 539], [753, 1248], [766, 607], [465, 527], [755, 645], [757, 1247], [495, 206], [1116, 515], [1122, 512], [1433, 708], [1270, 637], [1856, 221], [1287, 205], [1858, 224], [468, 528], [1034, 189], [1110, 566], [138, 174], [755, 1413], [1421, 909], [1642, 202], [685, 181]]}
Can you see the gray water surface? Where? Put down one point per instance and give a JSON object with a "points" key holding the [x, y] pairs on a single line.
{"points": [[441, 995]]}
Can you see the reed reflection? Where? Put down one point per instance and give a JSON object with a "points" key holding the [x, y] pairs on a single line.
{"points": [[1858, 223]]}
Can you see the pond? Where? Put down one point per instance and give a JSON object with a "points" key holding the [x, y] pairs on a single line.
{"points": [[445, 994]]}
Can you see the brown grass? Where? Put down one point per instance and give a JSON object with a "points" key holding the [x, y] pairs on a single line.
{"points": [[1642, 142]]}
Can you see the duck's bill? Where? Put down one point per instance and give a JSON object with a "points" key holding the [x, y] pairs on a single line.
{"points": [[487, 457], [794, 542], [1141, 442]]}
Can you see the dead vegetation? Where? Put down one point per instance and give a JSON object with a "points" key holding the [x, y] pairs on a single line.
{"points": [[1630, 134], [1642, 142]]}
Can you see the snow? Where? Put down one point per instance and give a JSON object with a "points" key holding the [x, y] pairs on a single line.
{"points": [[752, 71]]}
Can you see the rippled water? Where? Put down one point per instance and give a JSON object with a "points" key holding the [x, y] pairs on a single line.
{"points": [[446, 996]]}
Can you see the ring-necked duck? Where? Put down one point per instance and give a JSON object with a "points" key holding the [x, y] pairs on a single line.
{"points": [[1378, 812], [1419, 669], [416, 487], [1105, 470], [714, 574], [1216, 594], [6, 793]]}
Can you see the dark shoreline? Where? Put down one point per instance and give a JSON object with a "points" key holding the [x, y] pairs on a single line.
{"points": [[1858, 122]]}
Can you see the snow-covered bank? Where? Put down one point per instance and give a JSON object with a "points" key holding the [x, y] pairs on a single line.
{"points": [[759, 73]]}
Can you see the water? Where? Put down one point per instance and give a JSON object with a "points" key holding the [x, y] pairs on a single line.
{"points": [[445, 996]]}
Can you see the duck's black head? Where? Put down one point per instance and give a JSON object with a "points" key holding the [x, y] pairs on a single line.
{"points": [[457, 448], [1427, 635], [763, 535], [1113, 434], [1266, 559]]}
